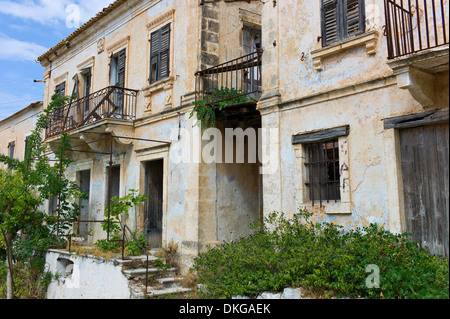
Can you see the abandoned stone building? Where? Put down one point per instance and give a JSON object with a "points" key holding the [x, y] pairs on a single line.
{"points": [[345, 114]]}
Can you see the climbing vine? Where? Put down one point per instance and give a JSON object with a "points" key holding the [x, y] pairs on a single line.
{"points": [[206, 111]]}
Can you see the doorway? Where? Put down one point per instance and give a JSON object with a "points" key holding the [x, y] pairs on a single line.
{"points": [[85, 185], [153, 207]]}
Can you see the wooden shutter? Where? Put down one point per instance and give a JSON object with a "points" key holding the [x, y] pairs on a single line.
{"points": [[330, 22], [60, 89], [154, 56], [121, 63], [160, 54], [354, 17], [165, 52]]}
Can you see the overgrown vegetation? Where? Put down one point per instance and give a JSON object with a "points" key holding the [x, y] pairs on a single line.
{"points": [[321, 257], [205, 109], [118, 208], [24, 186]]}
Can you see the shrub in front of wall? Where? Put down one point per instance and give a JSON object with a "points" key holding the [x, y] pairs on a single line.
{"points": [[369, 262]]}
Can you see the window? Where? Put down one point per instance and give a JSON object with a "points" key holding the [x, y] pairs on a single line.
{"points": [[60, 89], [11, 147], [341, 19], [322, 162], [27, 147], [86, 75], [117, 78], [160, 54], [53, 206], [323, 169]]}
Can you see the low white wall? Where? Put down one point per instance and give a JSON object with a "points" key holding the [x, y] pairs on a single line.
{"points": [[85, 277]]}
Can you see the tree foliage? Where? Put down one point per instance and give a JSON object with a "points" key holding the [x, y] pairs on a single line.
{"points": [[25, 185]]}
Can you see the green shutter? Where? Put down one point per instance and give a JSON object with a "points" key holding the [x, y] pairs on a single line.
{"points": [[160, 54], [121, 63], [330, 22]]}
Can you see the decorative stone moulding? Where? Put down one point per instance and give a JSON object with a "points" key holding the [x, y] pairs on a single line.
{"points": [[369, 40]]}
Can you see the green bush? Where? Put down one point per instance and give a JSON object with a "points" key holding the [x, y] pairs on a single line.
{"points": [[321, 256], [30, 279], [133, 247]]}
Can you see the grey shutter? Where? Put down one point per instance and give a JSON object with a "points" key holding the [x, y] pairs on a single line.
{"points": [[354, 17], [121, 63], [330, 22]]}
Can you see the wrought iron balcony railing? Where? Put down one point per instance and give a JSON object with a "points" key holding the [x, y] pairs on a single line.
{"points": [[109, 103], [232, 80], [415, 25]]}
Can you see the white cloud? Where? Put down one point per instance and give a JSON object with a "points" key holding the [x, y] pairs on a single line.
{"points": [[16, 50], [51, 12]]}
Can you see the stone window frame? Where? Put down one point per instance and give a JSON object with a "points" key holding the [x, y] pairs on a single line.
{"points": [[368, 39], [342, 206]]}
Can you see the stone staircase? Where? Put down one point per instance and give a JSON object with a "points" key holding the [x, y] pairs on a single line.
{"points": [[163, 280]]}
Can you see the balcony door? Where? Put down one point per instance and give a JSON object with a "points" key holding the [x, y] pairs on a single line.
{"points": [[117, 78], [86, 76], [251, 42]]}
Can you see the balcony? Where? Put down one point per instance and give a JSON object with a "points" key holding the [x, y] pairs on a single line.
{"points": [[418, 49], [415, 25], [235, 80], [113, 103]]}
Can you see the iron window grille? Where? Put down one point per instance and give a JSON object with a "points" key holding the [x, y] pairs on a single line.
{"points": [[322, 163]]}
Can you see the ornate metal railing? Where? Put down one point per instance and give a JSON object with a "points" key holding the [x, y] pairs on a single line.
{"points": [[415, 25], [109, 103], [230, 80]]}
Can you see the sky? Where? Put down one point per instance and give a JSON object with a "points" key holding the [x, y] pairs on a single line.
{"points": [[28, 28]]}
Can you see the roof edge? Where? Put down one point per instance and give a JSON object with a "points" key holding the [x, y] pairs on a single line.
{"points": [[102, 14]]}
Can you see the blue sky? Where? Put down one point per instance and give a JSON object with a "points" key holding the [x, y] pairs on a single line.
{"points": [[29, 28]]}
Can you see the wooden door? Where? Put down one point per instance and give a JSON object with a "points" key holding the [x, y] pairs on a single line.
{"points": [[425, 153], [154, 203]]}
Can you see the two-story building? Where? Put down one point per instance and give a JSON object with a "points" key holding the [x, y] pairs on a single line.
{"points": [[131, 74], [346, 108], [15, 130]]}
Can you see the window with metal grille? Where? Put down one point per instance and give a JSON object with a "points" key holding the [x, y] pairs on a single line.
{"points": [[322, 163], [160, 54], [342, 19]]}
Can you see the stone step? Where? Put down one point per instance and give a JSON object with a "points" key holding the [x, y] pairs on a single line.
{"points": [[151, 293], [170, 282], [141, 272]]}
